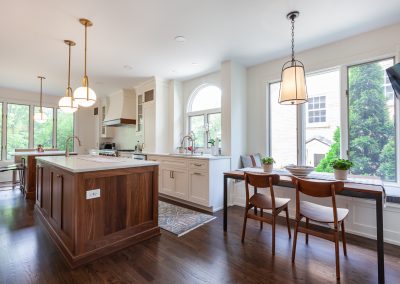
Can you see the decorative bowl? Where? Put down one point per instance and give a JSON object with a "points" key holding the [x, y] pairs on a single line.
{"points": [[299, 171]]}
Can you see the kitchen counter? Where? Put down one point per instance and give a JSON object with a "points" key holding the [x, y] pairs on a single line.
{"points": [[188, 156], [94, 205], [37, 153], [89, 163]]}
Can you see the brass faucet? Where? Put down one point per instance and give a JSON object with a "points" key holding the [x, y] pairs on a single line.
{"points": [[67, 142]]}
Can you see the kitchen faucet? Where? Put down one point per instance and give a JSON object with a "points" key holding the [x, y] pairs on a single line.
{"points": [[67, 142], [190, 138]]}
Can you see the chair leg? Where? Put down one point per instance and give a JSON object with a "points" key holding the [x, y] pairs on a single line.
{"points": [[273, 234], [261, 222], [307, 223], [344, 239], [287, 222], [244, 223], [295, 240], [337, 254]]}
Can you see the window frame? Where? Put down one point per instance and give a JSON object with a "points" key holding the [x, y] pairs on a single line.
{"points": [[302, 118], [204, 113], [3, 129]]}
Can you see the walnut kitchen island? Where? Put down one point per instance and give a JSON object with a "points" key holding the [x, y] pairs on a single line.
{"points": [[92, 205]]}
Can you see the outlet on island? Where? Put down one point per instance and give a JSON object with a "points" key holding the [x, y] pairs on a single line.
{"points": [[93, 193]]}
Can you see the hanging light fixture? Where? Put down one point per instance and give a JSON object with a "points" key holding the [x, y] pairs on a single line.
{"points": [[40, 117], [293, 89], [68, 104], [85, 96]]}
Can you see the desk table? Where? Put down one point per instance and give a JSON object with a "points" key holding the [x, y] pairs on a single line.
{"points": [[359, 190]]}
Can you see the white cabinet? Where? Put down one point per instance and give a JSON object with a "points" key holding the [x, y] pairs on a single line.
{"points": [[105, 131], [152, 114], [149, 134], [196, 181], [199, 187]]}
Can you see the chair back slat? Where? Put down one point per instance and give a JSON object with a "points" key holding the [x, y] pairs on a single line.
{"points": [[261, 180], [317, 188]]}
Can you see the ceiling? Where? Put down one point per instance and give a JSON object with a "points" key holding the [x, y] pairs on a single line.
{"points": [[132, 40]]}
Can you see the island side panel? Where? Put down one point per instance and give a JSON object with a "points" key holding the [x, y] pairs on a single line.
{"points": [[125, 212]]}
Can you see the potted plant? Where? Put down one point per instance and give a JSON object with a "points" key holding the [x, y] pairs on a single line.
{"points": [[341, 168], [214, 146], [268, 164]]}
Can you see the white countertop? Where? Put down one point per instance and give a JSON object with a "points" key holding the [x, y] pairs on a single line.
{"points": [[88, 163], [37, 153], [188, 156]]}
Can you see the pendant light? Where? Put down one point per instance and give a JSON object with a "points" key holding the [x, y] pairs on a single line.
{"points": [[85, 96], [293, 89], [40, 117], [67, 104]]}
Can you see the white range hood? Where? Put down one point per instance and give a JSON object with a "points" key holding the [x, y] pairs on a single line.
{"points": [[122, 109]]}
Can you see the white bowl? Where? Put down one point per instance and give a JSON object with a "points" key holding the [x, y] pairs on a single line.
{"points": [[299, 171]]}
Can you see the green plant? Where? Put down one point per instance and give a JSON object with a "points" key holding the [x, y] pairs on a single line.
{"points": [[267, 160], [211, 142], [341, 164]]}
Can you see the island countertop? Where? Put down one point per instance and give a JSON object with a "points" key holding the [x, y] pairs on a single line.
{"points": [[89, 163]]}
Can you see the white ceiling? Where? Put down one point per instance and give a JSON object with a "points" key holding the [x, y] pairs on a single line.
{"points": [[141, 34]]}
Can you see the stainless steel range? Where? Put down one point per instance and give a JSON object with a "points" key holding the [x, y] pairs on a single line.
{"points": [[131, 154]]}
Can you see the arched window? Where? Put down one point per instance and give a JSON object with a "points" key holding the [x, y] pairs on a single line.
{"points": [[204, 114]]}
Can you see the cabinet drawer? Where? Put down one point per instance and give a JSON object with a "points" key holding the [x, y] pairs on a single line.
{"points": [[176, 163], [198, 165]]}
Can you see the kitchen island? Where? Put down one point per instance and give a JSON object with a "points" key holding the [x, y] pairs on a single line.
{"points": [[92, 205]]}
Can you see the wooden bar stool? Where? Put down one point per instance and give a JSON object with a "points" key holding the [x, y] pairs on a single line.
{"points": [[320, 214], [262, 201]]}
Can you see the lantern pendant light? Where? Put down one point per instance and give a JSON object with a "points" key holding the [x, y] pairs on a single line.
{"points": [[40, 117], [67, 104], [85, 96], [293, 89]]}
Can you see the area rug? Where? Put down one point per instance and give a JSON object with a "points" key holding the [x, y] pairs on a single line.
{"points": [[179, 220]]}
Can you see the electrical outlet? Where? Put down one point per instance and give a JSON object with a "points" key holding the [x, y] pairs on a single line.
{"points": [[94, 193]]}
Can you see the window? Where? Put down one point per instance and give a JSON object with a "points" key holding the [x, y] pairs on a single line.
{"points": [[371, 121], [1, 130], [43, 132], [65, 128], [204, 114], [283, 138], [17, 127], [316, 109]]}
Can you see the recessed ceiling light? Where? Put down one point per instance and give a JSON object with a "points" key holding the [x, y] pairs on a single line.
{"points": [[128, 67], [173, 71], [180, 39], [195, 64]]}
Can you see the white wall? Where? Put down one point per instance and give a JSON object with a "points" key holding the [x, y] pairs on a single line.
{"points": [[175, 115]]}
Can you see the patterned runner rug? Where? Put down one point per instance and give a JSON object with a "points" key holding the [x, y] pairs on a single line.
{"points": [[179, 220]]}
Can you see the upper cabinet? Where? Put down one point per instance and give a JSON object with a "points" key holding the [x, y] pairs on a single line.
{"points": [[105, 131], [152, 114]]}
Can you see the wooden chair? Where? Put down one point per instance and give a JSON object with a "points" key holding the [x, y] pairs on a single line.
{"points": [[320, 214], [262, 201]]}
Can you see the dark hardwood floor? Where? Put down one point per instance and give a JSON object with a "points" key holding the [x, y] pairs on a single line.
{"points": [[205, 255]]}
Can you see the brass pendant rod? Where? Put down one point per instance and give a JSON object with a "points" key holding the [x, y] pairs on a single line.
{"points": [[69, 68]]}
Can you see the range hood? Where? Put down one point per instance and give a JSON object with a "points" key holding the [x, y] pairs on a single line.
{"points": [[121, 109]]}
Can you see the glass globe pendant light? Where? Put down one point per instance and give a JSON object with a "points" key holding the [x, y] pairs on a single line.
{"points": [[67, 103], [293, 89], [40, 117], [84, 95]]}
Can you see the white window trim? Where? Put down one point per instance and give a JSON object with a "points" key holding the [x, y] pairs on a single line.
{"points": [[344, 122]]}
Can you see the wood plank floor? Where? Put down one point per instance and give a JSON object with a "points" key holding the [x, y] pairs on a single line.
{"points": [[205, 255]]}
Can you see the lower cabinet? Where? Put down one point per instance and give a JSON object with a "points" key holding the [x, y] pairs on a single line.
{"points": [[196, 180]]}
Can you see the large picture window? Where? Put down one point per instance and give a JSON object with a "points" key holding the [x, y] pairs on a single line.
{"points": [[65, 129], [204, 115], [43, 132], [17, 127]]}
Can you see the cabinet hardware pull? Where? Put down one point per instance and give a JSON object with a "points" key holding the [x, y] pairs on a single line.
{"points": [[197, 165], [173, 174], [198, 174], [170, 174]]}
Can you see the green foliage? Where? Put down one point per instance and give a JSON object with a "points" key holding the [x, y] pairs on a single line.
{"points": [[341, 164], [370, 126], [43, 132], [65, 129], [334, 153], [17, 127], [267, 160], [211, 142]]}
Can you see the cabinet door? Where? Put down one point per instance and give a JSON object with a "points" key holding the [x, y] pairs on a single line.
{"points": [[181, 183], [167, 183], [198, 188], [56, 198], [149, 127]]}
